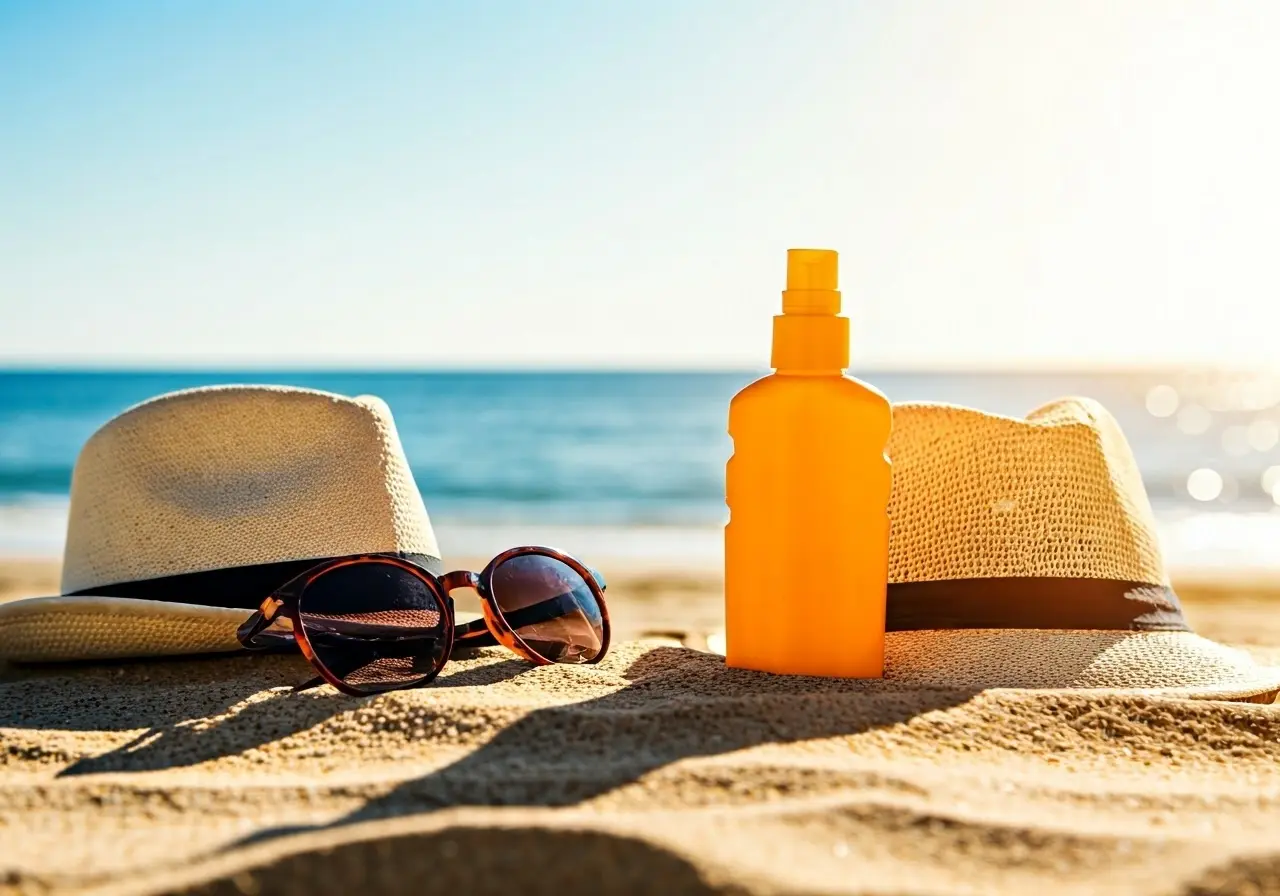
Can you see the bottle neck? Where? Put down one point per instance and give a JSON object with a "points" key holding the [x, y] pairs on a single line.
{"points": [[810, 344]]}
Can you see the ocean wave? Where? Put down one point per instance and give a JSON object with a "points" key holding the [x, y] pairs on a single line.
{"points": [[37, 480]]}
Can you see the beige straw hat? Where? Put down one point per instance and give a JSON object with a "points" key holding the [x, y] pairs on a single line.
{"points": [[1024, 554], [188, 509]]}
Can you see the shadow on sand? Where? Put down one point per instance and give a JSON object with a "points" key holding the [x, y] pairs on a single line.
{"points": [[680, 704], [192, 711]]}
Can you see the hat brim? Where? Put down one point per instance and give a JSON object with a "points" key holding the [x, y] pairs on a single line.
{"points": [[86, 628], [59, 629], [1173, 664]]}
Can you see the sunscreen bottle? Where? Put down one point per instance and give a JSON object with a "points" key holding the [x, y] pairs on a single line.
{"points": [[807, 542]]}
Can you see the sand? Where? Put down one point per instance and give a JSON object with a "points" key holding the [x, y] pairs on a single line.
{"points": [[657, 771]]}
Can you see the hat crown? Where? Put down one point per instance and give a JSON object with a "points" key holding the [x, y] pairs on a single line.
{"points": [[236, 476], [977, 495]]}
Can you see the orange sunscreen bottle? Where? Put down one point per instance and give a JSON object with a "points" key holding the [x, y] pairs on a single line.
{"points": [[807, 543]]}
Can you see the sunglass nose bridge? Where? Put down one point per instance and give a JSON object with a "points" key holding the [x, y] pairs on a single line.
{"points": [[459, 578]]}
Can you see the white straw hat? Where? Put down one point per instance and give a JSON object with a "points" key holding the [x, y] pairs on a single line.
{"points": [[1024, 553], [187, 510]]}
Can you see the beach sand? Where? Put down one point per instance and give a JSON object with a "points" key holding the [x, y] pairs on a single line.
{"points": [[657, 771]]}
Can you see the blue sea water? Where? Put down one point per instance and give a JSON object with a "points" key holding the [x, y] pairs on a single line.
{"points": [[586, 451]]}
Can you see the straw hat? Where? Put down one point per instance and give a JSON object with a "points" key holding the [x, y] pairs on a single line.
{"points": [[188, 509], [1023, 553]]}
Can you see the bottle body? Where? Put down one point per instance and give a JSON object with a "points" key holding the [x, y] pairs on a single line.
{"points": [[807, 542]]}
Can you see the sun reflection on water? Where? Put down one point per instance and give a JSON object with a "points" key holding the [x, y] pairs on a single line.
{"points": [[1230, 422]]}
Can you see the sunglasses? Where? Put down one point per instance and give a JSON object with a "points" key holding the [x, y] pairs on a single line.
{"points": [[375, 622]]}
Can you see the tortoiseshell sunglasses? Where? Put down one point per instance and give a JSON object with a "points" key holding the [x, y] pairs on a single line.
{"points": [[374, 622]]}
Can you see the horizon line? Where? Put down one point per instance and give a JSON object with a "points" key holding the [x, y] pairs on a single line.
{"points": [[1047, 367]]}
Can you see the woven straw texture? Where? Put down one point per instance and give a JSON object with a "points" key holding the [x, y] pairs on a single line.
{"points": [[1174, 663], [981, 496], [235, 476], [1058, 494], [49, 629], [212, 478]]}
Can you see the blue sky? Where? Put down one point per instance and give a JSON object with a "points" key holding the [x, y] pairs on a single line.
{"points": [[491, 183]]}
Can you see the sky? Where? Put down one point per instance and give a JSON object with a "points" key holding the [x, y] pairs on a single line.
{"points": [[578, 184]]}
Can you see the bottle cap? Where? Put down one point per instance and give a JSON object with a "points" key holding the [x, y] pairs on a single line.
{"points": [[812, 268]]}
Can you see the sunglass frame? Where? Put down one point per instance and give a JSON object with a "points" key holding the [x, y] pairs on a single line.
{"points": [[286, 601]]}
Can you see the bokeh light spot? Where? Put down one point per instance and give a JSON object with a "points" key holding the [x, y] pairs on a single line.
{"points": [[1204, 484], [1194, 420], [1235, 440], [1162, 401], [1264, 434], [1271, 480]]}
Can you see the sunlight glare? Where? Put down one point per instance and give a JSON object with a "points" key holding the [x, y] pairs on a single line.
{"points": [[1260, 393]]}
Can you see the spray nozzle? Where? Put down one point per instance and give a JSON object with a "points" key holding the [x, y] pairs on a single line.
{"points": [[812, 276]]}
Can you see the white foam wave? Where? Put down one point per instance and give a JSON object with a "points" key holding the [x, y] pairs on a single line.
{"points": [[35, 527]]}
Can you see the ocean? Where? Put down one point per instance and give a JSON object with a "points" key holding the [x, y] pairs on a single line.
{"points": [[632, 464]]}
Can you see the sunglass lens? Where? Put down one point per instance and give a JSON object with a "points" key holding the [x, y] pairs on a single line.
{"points": [[375, 626], [551, 607]]}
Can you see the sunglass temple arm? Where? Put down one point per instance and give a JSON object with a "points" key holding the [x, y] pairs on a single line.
{"points": [[259, 622], [308, 685]]}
